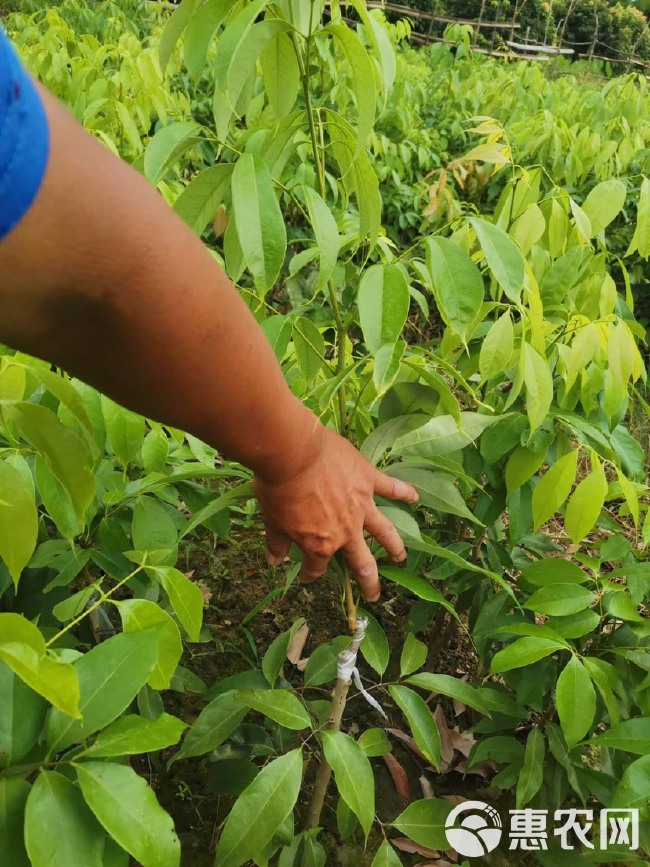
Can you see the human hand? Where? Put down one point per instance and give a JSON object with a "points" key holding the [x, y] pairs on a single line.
{"points": [[325, 505]]}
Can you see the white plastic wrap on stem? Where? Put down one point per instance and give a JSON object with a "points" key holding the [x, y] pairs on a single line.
{"points": [[346, 669]]}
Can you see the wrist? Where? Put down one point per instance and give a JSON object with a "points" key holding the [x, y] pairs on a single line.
{"points": [[293, 446]]}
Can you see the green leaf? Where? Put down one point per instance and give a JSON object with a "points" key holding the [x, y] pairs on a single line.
{"points": [[575, 698], [186, 599], [424, 823], [554, 570], [633, 791], [260, 811], [532, 772], [155, 450], [18, 521], [232, 40], [132, 734], [386, 856], [278, 704], [110, 676], [56, 499], [374, 647], [420, 720], [643, 220], [575, 625], [167, 146], [153, 528], [22, 648], [442, 435], [604, 203], [324, 225], [383, 301], [65, 454], [437, 490], [374, 742], [554, 487], [539, 386], [22, 713], [321, 667], [560, 599], [200, 31], [309, 346], [124, 429], [418, 586], [353, 775], [60, 830], [173, 30], [456, 282], [128, 809], [276, 654], [258, 219], [387, 364], [281, 77], [524, 651], [213, 725], [200, 199], [497, 347], [522, 465], [414, 655], [621, 606], [141, 615], [13, 796], [503, 256], [362, 78], [586, 503], [445, 684], [630, 736]]}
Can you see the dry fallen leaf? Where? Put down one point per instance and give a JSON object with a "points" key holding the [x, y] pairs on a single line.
{"points": [[301, 665], [459, 707], [406, 845], [408, 741], [462, 742], [399, 775], [427, 788], [446, 746], [297, 644], [206, 593]]}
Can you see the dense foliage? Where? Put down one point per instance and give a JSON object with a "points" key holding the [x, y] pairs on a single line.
{"points": [[446, 255]]}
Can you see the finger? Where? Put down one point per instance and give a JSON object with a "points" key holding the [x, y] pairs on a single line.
{"points": [[364, 568], [381, 529], [278, 544], [394, 489], [313, 567]]}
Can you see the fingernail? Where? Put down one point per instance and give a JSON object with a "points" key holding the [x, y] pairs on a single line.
{"points": [[274, 559], [373, 598]]}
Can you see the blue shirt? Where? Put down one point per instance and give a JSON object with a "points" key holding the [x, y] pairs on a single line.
{"points": [[24, 139]]}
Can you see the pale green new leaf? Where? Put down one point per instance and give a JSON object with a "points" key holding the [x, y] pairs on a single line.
{"points": [[128, 809], [280, 74], [575, 699], [186, 599], [140, 615], [586, 503], [200, 31], [168, 145], [539, 386], [324, 226], [353, 775], [258, 219], [309, 345], [497, 347], [383, 300], [604, 203], [374, 647], [457, 284], [173, 30], [260, 810], [18, 521], [387, 363], [553, 488], [362, 78], [643, 220], [442, 435], [125, 430], [503, 256]]}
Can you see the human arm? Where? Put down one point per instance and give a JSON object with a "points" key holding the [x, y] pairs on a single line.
{"points": [[103, 279]]}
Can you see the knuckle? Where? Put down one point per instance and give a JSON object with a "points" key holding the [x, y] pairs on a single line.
{"points": [[368, 569]]}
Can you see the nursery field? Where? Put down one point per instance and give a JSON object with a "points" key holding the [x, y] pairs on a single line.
{"points": [[448, 254]]}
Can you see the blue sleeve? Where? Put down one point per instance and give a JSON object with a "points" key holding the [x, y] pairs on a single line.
{"points": [[24, 139]]}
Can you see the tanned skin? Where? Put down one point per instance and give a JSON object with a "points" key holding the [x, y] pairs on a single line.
{"points": [[102, 278]]}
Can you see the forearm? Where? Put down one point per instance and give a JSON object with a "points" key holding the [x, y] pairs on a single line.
{"points": [[104, 279]]}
